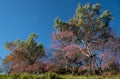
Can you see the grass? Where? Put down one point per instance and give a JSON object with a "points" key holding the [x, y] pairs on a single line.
{"points": [[54, 76], [90, 77]]}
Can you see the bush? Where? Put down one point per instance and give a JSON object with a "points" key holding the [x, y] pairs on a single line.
{"points": [[106, 74]]}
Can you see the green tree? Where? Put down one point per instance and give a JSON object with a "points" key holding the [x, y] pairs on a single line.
{"points": [[23, 53], [90, 27]]}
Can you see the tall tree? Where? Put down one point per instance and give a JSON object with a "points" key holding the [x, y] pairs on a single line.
{"points": [[24, 53], [90, 31]]}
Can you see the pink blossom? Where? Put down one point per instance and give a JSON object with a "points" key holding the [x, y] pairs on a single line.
{"points": [[62, 35]]}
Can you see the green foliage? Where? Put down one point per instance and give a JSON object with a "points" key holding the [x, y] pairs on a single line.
{"points": [[20, 76], [26, 52], [80, 42], [51, 75], [91, 32], [60, 25], [90, 77], [86, 23], [44, 76], [113, 68]]}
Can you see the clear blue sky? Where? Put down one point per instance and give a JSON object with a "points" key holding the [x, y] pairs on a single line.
{"points": [[19, 18]]}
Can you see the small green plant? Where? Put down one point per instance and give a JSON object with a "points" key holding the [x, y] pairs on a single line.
{"points": [[51, 75], [27, 76]]}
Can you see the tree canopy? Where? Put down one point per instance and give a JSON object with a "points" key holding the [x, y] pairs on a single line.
{"points": [[27, 52], [85, 43], [86, 36]]}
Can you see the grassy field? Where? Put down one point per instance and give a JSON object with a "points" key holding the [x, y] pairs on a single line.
{"points": [[54, 76], [90, 77]]}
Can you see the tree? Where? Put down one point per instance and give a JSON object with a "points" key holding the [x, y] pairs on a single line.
{"points": [[67, 54], [88, 31], [24, 53]]}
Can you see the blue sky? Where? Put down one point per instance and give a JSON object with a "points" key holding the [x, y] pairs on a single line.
{"points": [[19, 18]]}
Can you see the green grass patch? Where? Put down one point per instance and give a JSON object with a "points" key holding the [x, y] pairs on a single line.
{"points": [[90, 77], [51, 75]]}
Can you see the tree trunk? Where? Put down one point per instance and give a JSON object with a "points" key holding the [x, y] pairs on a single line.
{"points": [[66, 68], [73, 70], [92, 71]]}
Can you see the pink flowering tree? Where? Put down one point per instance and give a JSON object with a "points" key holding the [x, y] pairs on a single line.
{"points": [[24, 54], [66, 52], [86, 35]]}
